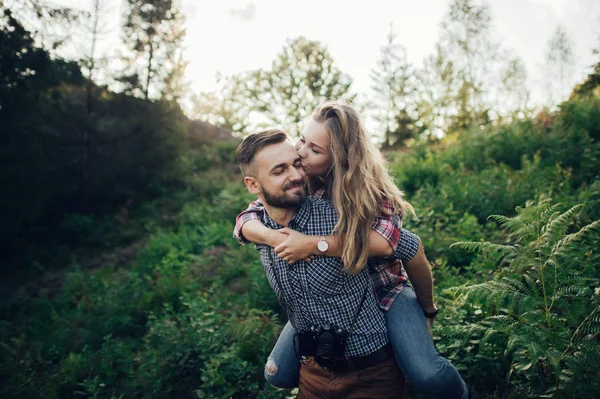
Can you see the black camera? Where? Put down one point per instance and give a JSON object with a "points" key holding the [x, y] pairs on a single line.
{"points": [[327, 344]]}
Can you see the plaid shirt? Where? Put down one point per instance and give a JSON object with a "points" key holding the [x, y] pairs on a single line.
{"points": [[387, 273], [320, 292]]}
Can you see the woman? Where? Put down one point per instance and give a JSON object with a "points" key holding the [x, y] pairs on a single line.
{"points": [[343, 166]]}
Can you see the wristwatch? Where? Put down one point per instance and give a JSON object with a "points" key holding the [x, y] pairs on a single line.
{"points": [[322, 245], [430, 315]]}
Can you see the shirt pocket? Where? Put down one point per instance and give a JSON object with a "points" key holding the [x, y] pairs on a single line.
{"points": [[326, 277]]}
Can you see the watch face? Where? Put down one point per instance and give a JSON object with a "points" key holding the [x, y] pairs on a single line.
{"points": [[322, 245]]}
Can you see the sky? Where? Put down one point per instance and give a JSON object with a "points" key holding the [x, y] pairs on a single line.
{"points": [[250, 33], [232, 36]]}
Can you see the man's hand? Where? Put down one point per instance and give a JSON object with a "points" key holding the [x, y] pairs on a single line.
{"points": [[297, 246], [430, 327]]}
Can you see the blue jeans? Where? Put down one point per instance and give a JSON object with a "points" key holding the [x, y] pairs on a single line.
{"points": [[428, 372]]}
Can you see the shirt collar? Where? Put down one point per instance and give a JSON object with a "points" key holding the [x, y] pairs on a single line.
{"points": [[299, 220]]}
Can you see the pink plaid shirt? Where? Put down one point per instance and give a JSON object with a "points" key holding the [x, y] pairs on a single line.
{"points": [[387, 273]]}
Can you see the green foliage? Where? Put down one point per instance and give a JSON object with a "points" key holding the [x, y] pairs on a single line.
{"points": [[191, 314], [58, 159], [164, 328], [541, 309]]}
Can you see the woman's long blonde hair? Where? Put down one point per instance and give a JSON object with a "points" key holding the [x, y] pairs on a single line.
{"points": [[357, 182]]}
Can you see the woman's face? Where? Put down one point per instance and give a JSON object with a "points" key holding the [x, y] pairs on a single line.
{"points": [[313, 149]]}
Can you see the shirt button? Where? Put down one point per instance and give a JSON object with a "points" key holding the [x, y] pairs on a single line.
{"points": [[271, 263]]}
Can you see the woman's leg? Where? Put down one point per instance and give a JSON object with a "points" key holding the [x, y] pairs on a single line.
{"points": [[414, 351], [283, 365]]}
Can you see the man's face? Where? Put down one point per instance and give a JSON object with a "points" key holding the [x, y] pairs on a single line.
{"points": [[281, 181]]}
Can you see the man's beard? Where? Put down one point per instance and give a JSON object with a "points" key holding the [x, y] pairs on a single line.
{"points": [[287, 199]]}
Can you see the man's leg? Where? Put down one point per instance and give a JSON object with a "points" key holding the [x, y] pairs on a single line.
{"points": [[383, 380], [283, 364], [414, 350]]}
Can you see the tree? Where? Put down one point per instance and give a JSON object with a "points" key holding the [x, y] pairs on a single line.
{"points": [[302, 76], [394, 85], [436, 87], [468, 43], [49, 24], [36, 125], [513, 96], [95, 29], [559, 65], [229, 106], [153, 35]]}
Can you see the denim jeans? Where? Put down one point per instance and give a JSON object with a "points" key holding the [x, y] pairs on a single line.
{"points": [[423, 367]]}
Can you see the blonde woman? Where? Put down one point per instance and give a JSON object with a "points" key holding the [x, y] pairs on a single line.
{"points": [[344, 166]]}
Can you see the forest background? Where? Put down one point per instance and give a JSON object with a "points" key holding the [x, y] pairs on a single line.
{"points": [[119, 274]]}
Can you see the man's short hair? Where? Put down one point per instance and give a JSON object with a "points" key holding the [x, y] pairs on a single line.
{"points": [[253, 144]]}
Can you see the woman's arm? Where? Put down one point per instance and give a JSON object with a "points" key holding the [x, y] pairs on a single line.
{"points": [[382, 240], [420, 276], [249, 227], [254, 211], [301, 246], [410, 251], [256, 232]]}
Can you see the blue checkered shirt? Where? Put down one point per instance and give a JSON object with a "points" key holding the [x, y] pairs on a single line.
{"points": [[319, 292]]}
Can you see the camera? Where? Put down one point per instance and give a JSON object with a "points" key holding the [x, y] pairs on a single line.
{"points": [[327, 344]]}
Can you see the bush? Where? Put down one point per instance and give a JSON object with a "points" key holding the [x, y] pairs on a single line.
{"points": [[541, 310]]}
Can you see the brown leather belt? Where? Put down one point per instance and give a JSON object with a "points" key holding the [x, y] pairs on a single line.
{"points": [[362, 362]]}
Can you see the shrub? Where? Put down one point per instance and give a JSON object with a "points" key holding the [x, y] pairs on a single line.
{"points": [[541, 308]]}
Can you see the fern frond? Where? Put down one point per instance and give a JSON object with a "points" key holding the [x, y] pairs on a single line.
{"points": [[558, 225], [534, 288], [485, 247], [550, 212], [514, 225], [591, 324], [565, 242], [571, 290]]}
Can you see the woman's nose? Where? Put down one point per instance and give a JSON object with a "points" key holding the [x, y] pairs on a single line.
{"points": [[301, 151]]}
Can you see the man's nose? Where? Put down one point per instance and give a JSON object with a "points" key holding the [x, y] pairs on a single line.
{"points": [[297, 174]]}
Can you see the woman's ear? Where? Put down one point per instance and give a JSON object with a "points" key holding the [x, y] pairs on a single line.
{"points": [[252, 185]]}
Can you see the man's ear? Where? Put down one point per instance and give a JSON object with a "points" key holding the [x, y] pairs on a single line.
{"points": [[252, 185]]}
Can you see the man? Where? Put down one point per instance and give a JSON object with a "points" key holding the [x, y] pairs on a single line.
{"points": [[341, 332]]}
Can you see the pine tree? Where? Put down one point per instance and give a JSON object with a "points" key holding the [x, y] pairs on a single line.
{"points": [[559, 66], [436, 87], [394, 85], [469, 45], [153, 35]]}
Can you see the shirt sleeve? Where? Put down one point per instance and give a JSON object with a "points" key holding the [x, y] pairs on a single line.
{"points": [[404, 242], [408, 245], [388, 225], [255, 211]]}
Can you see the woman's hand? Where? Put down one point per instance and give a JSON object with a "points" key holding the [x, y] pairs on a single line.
{"points": [[298, 246]]}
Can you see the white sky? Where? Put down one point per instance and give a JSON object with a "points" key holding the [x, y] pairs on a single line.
{"points": [[232, 36], [354, 31]]}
